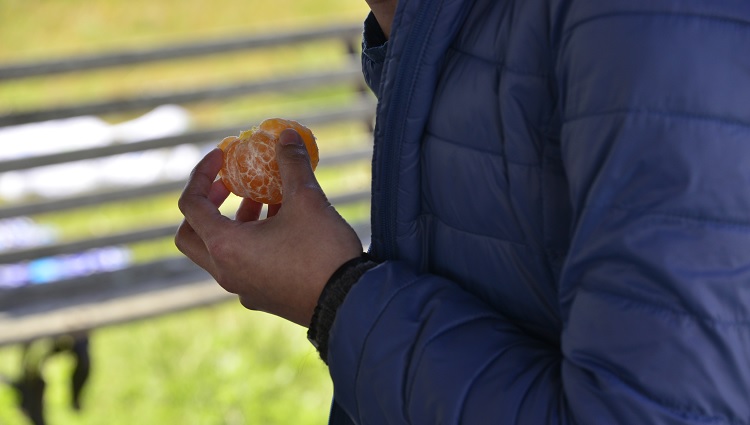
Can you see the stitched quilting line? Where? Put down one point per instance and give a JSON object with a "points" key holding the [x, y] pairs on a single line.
{"points": [[375, 322], [742, 324], [442, 332], [484, 236], [681, 216], [501, 64], [659, 113], [480, 371], [689, 412], [728, 20], [511, 161], [462, 145]]}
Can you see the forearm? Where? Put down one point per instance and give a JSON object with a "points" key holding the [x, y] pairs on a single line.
{"points": [[436, 354]]}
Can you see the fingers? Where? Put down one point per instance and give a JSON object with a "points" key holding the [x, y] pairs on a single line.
{"points": [[249, 210], [273, 209], [294, 163], [218, 193], [188, 242], [198, 202]]}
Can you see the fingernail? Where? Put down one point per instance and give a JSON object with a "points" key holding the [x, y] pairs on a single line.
{"points": [[289, 137]]}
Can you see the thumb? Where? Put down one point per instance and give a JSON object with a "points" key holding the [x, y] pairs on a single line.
{"points": [[294, 163]]}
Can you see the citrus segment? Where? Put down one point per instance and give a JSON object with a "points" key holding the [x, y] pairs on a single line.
{"points": [[250, 169]]}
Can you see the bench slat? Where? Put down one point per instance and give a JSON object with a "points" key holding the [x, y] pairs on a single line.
{"points": [[26, 299], [351, 75], [361, 110], [103, 197], [90, 199], [86, 303], [129, 237], [135, 56], [86, 244], [104, 309]]}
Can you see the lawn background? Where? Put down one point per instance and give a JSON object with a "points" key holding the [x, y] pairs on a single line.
{"points": [[217, 365]]}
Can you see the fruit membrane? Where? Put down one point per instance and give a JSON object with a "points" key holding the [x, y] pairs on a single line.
{"points": [[250, 169]]}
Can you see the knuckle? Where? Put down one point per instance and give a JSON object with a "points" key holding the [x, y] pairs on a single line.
{"points": [[220, 250], [183, 203], [188, 201], [178, 243], [179, 237]]}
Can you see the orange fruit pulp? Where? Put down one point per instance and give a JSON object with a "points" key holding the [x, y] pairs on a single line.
{"points": [[250, 169]]}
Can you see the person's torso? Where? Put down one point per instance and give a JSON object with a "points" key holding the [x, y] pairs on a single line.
{"points": [[492, 210]]}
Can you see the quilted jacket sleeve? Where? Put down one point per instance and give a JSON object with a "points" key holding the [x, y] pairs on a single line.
{"points": [[416, 349], [656, 142], [656, 288]]}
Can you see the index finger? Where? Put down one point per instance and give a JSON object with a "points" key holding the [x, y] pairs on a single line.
{"points": [[195, 204]]}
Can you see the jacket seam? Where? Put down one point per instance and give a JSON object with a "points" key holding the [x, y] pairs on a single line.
{"points": [[656, 14], [681, 216], [742, 324], [485, 236], [463, 146], [439, 334], [685, 411], [481, 370], [660, 113], [501, 64]]}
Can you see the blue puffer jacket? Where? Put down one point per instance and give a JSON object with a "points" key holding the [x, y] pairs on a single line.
{"points": [[561, 200]]}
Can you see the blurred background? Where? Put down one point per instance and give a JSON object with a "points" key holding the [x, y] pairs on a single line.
{"points": [[216, 363]]}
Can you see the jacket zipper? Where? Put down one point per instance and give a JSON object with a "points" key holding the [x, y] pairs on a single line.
{"points": [[390, 160]]}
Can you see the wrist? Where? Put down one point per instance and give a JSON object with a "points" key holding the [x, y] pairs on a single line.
{"points": [[331, 298]]}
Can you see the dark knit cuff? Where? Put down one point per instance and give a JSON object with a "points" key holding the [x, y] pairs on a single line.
{"points": [[331, 298]]}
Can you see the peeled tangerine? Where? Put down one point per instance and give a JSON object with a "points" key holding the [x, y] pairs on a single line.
{"points": [[250, 169]]}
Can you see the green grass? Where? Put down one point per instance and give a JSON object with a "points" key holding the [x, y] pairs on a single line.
{"points": [[217, 365], [34, 29]]}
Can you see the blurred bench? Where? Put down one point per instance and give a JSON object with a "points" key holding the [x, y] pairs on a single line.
{"points": [[77, 305]]}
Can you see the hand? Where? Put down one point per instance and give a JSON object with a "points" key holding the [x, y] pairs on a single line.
{"points": [[280, 264]]}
